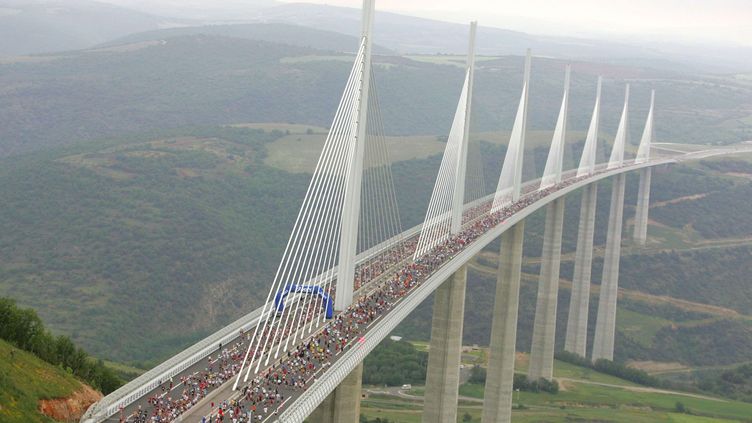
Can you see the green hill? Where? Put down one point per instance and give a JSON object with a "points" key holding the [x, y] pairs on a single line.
{"points": [[130, 232], [279, 33], [214, 76], [25, 380], [31, 27], [138, 231]]}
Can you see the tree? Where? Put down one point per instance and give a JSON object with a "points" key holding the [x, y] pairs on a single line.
{"points": [[477, 375], [24, 328]]}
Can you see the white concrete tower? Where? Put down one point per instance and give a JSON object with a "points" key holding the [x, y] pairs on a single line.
{"points": [[640, 234], [605, 324], [445, 350], [544, 328], [458, 197], [552, 172], [351, 207], [510, 181], [622, 135], [587, 160], [643, 151], [579, 304]]}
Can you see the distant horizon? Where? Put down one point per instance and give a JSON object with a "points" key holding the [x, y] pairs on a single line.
{"points": [[725, 23], [719, 21]]}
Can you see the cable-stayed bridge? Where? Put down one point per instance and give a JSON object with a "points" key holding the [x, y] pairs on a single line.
{"points": [[350, 273]]}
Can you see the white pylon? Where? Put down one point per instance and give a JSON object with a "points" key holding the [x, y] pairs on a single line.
{"points": [[552, 171], [351, 206], [587, 160], [643, 152], [444, 213], [458, 197], [510, 180], [622, 136]]}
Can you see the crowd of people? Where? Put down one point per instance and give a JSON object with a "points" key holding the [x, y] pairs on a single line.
{"points": [[173, 398], [270, 390]]}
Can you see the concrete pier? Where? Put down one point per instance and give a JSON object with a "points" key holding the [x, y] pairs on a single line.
{"points": [[445, 351], [497, 404], [577, 322], [544, 329], [640, 235], [342, 405], [605, 326]]}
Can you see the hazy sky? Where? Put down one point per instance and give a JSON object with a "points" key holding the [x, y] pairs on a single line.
{"points": [[710, 21], [694, 20]]}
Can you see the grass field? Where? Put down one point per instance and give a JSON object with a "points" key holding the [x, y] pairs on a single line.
{"points": [[447, 59], [585, 395], [24, 380], [639, 327], [317, 58], [294, 128], [299, 150]]}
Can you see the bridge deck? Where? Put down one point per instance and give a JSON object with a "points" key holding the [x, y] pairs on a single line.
{"points": [[381, 298], [364, 338]]}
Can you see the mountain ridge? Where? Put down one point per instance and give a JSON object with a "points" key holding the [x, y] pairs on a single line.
{"points": [[46, 26], [397, 32]]}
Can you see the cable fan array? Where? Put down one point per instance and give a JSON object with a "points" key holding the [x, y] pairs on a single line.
{"points": [[380, 228], [475, 182], [302, 290], [437, 224]]}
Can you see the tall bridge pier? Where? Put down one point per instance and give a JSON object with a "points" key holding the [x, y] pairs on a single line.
{"points": [[343, 404], [579, 304], [445, 350], [544, 327], [577, 322], [497, 406], [643, 203], [605, 326]]}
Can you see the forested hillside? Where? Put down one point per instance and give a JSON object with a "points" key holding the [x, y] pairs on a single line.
{"points": [[34, 26], [278, 33], [149, 240], [209, 79], [163, 237]]}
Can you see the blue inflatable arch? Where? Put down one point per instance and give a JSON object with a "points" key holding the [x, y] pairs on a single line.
{"points": [[279, 298]]}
